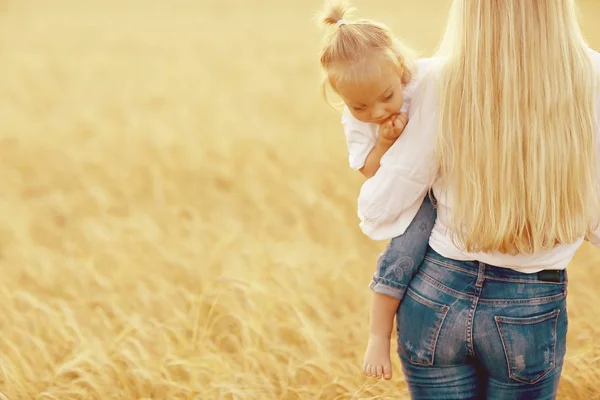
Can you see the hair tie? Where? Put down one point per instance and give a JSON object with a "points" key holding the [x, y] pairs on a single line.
{"points": [[341, 22]]}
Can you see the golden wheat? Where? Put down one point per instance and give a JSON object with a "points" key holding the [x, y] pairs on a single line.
{"points": [[178, 217]]}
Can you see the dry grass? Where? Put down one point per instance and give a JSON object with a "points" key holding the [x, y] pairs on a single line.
{"points": [[178, 215]]}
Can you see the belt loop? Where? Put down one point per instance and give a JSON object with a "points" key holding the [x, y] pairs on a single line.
{"points": [[480, 275]]}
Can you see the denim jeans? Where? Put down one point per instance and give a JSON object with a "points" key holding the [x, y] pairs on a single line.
{"points": [[404, 254], [468, 330]]}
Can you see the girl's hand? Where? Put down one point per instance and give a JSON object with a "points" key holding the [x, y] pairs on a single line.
{"points": [[393, 128]]}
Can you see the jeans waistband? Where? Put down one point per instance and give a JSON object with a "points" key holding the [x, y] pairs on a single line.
{"points": [[493, 271]]}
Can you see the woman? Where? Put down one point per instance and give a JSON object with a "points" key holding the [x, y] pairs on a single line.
{"points": [[505, 133]]}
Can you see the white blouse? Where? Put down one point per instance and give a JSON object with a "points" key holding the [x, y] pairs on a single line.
{"points": [[389, 200]]}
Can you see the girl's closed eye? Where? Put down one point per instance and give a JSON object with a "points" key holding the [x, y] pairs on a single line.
{"points": [[389, 97]]}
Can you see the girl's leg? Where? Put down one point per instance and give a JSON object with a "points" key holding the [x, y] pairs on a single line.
{"points": [[404, 254], [395, 268]]}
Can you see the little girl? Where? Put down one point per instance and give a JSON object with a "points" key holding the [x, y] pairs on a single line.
{"points": [[375, 76]]}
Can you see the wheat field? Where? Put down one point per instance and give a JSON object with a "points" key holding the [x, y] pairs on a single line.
{"points": [[178, 216]]}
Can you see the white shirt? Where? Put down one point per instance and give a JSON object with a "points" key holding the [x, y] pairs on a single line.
{"points": [[389, 200], [362, 136]]}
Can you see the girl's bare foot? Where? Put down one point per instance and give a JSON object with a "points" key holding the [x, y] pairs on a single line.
{"points": [[377, 362]]}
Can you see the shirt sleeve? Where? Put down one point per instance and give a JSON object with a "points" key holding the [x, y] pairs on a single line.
{"points": [[360, 139], [594, 238], [407, 169]]}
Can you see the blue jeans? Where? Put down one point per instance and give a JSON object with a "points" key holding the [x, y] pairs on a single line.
{"points": [[468, 330], [404, 254]]}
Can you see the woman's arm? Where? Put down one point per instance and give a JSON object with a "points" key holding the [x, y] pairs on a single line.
{"points": [[594, 236]]}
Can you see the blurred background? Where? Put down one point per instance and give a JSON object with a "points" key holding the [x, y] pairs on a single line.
{"points": [[178, 214]]}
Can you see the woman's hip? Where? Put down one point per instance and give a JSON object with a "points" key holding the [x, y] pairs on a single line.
{"points": [[444, 280], [455, 311]]}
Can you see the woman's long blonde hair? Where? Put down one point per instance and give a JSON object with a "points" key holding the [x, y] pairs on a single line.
{"points": [[516, 144]]}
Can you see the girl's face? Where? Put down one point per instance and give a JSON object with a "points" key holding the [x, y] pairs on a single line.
{"points": [[375, 100]]}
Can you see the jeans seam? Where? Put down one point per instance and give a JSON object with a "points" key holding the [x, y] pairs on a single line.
{"points": [[554, 344], [536, 281], [433, 346], [530, 301], [426, 302], [437, 284], [527, 321], [450, 266], [501, 334], [470, 323]]}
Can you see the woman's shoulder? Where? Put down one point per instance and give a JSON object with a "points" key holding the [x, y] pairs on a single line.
{"points": [[424, 66], [424, 69]]}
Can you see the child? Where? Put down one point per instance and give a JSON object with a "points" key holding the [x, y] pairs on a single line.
{"points": [[374, 75]]}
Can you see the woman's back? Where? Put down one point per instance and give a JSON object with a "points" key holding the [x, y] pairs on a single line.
{"points": [[441, 240], [516, 141], [559, 193], [509, 140]]}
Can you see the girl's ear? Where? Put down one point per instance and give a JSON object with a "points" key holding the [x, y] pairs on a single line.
{"points": [[405, 75]]}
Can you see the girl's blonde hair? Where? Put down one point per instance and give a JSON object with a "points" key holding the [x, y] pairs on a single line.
{"points": [[516, 144], [353, 52]]}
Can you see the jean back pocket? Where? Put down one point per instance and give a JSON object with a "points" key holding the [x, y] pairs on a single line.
{"points": [[421, 320], [529, 345]]}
